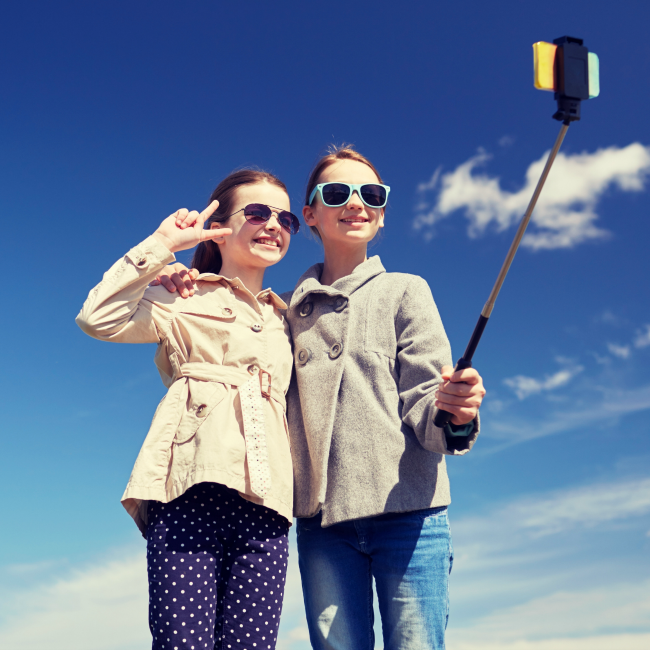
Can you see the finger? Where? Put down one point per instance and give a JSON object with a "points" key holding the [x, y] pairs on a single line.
{"points": [[460, 420], [191, 219], [194, 273], [184, 286], [459, 389], [180, 215], [471, 401], [215, 233], [210, 210], [167, 283], [461, 414], [155, 283]]}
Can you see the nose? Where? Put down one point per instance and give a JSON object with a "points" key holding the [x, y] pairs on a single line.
{"points": [[355, 202], [273, 224]]}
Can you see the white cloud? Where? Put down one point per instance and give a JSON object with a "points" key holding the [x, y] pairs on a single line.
{"points": [[642, 339], [566, 211], [601, 616], [620, 351], [525, 386], [103, 607], [612, 404], [537, 572], [535, 517], [603, 642]]}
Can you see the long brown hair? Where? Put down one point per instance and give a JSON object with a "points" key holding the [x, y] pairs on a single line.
{"points": [[334, 153], [207, 256]]}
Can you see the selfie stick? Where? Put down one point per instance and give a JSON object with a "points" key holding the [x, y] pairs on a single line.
{"points": [[561, 67]]}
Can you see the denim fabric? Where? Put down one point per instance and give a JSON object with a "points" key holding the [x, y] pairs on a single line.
{"points": [[410, 557]]}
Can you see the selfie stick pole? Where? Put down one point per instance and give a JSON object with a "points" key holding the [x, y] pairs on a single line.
{"points": [[443, 417]]}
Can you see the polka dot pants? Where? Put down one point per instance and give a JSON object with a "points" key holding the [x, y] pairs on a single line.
{"points": [[217, 565]]}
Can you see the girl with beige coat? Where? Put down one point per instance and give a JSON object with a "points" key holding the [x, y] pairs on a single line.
{"points": [[211, 489]]}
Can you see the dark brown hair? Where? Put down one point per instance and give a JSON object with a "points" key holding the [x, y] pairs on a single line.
{"points": [[334, 153], [207, 256]]}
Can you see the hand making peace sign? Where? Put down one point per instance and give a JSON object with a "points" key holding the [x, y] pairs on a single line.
{"points": [[177, 239]]}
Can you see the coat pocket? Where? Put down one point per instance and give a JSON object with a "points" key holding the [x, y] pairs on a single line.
{"points": [[203, 397]]}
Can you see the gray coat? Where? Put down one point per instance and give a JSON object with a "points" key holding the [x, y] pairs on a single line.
{"points": [[368, 352]]}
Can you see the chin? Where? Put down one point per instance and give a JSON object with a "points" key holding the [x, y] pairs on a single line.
{"points": [[269, 258]]}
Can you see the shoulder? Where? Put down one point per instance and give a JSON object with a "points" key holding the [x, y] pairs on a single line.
{"points": [[174, 302], [401, 283]]}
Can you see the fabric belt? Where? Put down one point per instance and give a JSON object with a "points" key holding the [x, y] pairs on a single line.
{"points": [[252, 388], [227, 375]]}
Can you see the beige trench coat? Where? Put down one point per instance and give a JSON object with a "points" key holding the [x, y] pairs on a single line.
{"points": [[211, 347]]}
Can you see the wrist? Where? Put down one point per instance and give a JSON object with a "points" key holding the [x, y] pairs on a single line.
{"points": [[165, 241]]}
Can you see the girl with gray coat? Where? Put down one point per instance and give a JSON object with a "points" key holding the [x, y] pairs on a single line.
{"points": [[372, 364]]}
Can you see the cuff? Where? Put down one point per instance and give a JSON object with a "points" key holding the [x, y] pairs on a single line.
{"points": [[149, 255], [458, 430]]}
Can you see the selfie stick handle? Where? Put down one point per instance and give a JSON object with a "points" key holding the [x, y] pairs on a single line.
{"points": [[443, 417]]}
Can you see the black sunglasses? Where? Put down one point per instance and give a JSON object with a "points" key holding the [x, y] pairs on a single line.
{"points": [[258, 213], [334, 195]]}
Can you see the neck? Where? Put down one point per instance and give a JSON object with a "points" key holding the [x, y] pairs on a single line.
{"points": [[341, 261], [252, 277]]}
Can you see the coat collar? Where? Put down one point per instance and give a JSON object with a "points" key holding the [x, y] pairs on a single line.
{"points": [[310, 280], [237, 284]]}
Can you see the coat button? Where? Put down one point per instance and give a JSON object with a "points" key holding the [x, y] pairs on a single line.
{"points": [[256, 328], [252, 369], [201, 411], [340, 304], [335, 350], [306, 308], [303, 355]]}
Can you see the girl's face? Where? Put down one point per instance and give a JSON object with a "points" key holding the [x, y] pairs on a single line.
{"points": [[250, 245], [352, 223]]}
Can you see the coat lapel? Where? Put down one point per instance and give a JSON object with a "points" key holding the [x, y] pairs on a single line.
{"points": [[309, 282]]}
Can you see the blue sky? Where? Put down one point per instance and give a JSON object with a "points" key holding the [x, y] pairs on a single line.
{"points": [[115, 114]]}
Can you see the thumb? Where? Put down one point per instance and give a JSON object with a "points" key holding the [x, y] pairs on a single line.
{"points": [[447, 372]]}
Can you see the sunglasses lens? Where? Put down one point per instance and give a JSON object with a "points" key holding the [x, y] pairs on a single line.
{"points": [[256, 213], [289, 222], [335, 194], [374, 195]]}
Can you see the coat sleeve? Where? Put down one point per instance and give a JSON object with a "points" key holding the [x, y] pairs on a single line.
{"points": [[115, 309], [422, 350]]}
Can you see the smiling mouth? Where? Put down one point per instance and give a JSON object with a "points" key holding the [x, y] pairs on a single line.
{"points": [[267, 241], [354, 220]]}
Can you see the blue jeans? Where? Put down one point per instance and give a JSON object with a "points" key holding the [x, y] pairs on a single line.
{"points": [[410, 557]]}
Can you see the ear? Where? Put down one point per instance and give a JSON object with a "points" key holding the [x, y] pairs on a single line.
{"points": [[217, 224], [308, 215], [381, 218]]}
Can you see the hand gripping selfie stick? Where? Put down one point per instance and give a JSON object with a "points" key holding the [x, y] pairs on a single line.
{"points": [[571, 71]]}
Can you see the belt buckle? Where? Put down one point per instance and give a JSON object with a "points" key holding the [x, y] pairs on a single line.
{"points": [[265, 393]]}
